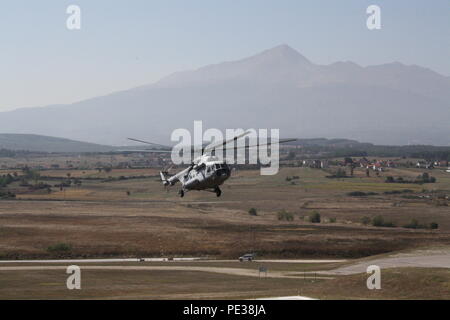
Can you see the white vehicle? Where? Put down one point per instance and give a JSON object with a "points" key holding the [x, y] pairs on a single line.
{"points": [[247, 257]]}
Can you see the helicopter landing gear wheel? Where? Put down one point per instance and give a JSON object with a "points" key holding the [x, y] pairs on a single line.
{"points": [[181, 193], [218, 191]]}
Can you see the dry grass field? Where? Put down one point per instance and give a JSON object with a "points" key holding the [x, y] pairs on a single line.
{"points": [[100, 219], [397, 283], [127, 213]]}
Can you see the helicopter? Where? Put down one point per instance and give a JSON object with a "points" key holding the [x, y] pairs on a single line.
{"points": [[206, 172]]}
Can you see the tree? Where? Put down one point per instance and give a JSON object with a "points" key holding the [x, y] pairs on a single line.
{"points": [[291, 155], [340, 173], [434, 225], [378, 221], [284, 215], [314, 217], [252, 212], [35, 176]]}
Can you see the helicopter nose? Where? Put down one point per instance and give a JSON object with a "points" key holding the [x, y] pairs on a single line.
{"points": [[222, 173]]}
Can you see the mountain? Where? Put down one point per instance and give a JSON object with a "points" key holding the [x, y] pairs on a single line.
{"points": [[32, 142], [279, 88]]}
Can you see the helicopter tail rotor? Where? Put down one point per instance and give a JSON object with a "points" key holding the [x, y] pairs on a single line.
{"points": [[164, 178]]}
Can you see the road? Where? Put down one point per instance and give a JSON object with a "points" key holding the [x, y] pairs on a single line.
{"points": [[224, 270], [433, 258], [165, 260], [99, 260]]}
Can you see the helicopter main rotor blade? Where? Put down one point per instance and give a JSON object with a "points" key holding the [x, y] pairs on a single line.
{"points": [[150, 143], [224, 143], [262, 145], [207, 148], [142, 151]]}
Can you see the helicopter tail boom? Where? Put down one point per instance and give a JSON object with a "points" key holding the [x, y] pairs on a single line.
{"points": [[163, 178]]}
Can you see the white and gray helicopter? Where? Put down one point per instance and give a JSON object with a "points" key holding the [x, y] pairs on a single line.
{"points": [[206, 172]]}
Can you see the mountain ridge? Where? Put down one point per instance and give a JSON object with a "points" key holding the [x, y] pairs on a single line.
{"points": [[41, 143], [278, 88]]}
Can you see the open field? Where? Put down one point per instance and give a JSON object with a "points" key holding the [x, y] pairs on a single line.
{"points": [[126, 213], [172, 281], [100, 219]]}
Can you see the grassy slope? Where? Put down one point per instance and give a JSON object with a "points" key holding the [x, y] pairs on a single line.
{"points": [[402, 283]]}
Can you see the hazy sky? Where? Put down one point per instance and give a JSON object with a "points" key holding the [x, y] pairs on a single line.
{"points": [[123, 44]]}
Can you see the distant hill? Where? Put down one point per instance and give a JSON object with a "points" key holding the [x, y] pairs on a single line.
{"points": [[393, 103], [323, 142], [352, 148], [327, 147], [33, 142]]}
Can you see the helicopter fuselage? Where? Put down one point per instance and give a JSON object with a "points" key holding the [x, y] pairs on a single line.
{"points": [[206, 172]]}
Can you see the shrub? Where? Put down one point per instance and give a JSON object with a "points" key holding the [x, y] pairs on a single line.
{"points": [[7, 195], [340, 173], [361, 194], [314, 217], [284, 215], [252, 212], [392, 192], [440, 203], [420, 179], [414, 224], [434, 225], [6, 179], [332, 220], [411, 196], [365, 220], [378, 221], [59, 247]]}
